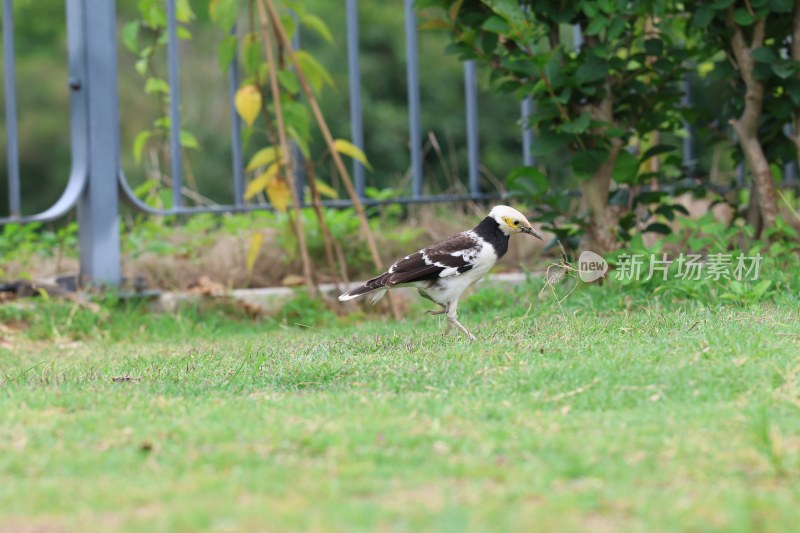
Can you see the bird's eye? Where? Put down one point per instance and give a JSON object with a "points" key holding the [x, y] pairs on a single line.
{"points": [[515, 223]]}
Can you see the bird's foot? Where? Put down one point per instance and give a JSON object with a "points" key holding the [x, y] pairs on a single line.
{"points": [[452, 321]]}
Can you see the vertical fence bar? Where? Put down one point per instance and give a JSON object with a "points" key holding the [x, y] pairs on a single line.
{"points": [[688, 141], [236, 130], [97, 209], [790, 168], [789, 174], [297, 156], [473, 148], [577, 37], [354, 77], [9, 79], [412, 68], [526, 108], [173, 70]]}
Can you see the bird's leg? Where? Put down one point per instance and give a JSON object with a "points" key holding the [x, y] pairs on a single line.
{"points": [[441, 311], [452, 319]]}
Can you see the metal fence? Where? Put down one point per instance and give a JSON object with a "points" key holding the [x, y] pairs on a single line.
{"points": [[96, 182]]}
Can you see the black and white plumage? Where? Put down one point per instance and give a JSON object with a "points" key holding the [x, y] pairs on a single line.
{"points": [[444, 270]]}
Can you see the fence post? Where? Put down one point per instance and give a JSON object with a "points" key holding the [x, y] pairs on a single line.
{"points": [[98, 205], [412, 71], [354, 77]]}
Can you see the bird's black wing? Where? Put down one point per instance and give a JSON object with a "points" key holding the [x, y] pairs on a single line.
{"points": [[450, 257], [446, 258]]}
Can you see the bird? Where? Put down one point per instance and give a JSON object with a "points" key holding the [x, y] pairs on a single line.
{"points": [[444, 270]]}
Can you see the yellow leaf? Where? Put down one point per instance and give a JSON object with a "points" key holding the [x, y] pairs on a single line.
{"points": [[325, 189], [278, 193], [261, 181], [256, 240], [454, 9], [350, 149], [435, 24], [248, 103], [264, 157]]}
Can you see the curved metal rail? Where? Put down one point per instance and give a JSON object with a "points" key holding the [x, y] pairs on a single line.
{"points": [[79, 173]]}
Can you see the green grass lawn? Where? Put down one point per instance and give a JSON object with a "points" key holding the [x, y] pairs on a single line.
{"points": [[599, 416]]}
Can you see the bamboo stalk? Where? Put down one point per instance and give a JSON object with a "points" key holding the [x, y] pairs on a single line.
{"points": [[285, 155], [326, 234], [333, 251], [326, 134]]}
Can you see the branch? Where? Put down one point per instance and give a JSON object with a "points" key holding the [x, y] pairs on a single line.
{"points": [[326, 134], [285, 157]]}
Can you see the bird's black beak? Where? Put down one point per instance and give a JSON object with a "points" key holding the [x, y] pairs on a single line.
{"points": [[531, 231]]}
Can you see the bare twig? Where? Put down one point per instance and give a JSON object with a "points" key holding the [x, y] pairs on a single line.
{"points": [[327, 238], [326, 134], [308, 274]]}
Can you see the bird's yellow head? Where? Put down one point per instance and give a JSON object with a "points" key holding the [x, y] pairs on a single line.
{"points": [[512, 221]]}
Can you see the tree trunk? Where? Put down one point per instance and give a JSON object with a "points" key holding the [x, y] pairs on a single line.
{"points": [[746, 126], [753, 210], [601, 233], [763, 182]]}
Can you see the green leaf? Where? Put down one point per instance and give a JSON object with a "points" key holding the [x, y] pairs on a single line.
{"points": [[226, 52], [139, 143], [288, 81], [658, 227], [742, 17], [496, 24], [317, 75], [188, 140], [625, 167], [596, 26], [666, 211], [302, 144], [654, 47], [656, 150], [765, 55], [527, 180], [784, 69], [586, 162], [183, 11], [156, 85], [703, 17], [130, 35], [223, 13], [579, 125], [289, 24], [315, 23], [592, 70], [616, 28], [141, 66], [251, 53], [347, 148], [548, 142], [761, 287]]}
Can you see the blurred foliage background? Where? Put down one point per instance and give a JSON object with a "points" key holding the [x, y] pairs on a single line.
{"points": [[41, 68]]}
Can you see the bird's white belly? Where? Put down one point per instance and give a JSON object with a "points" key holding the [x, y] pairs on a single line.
{"points": [[451, 287]]}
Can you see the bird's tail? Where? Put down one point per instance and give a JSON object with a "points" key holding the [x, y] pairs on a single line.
{"points": [[375, 284]]}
